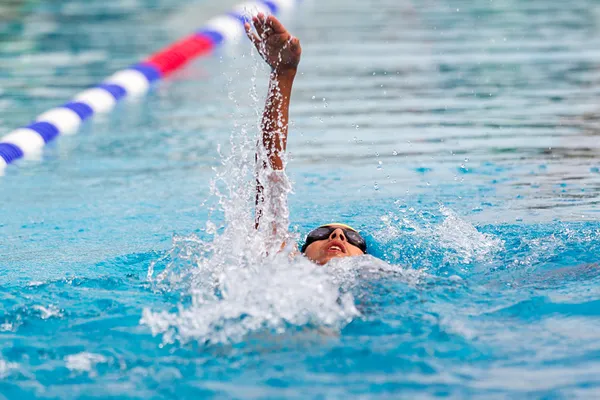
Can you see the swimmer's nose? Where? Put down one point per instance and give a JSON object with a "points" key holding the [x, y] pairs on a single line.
{"points": [[338, 234]]}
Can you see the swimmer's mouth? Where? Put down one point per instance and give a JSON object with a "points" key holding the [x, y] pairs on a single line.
{"points": [[336, 247]]}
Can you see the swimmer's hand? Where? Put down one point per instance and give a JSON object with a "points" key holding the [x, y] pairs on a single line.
{"points": [[274, 43]]}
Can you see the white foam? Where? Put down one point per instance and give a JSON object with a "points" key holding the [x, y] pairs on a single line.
{"points": [[6, 368], [134, 82], [84, 362], [7, 327], [65, 120], [48, 312], [98, 99], [229, 303], [29, 141]]}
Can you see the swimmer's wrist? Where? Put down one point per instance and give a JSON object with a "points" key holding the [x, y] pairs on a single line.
{"points": [[283, 73]]}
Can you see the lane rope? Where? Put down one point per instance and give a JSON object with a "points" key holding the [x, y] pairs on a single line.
{"points": [[134, 81]]}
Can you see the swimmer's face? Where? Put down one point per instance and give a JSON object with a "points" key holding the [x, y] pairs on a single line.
{"points": [[335, 246]]}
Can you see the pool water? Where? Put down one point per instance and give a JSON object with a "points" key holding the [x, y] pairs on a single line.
{"points": [[461, 136]]}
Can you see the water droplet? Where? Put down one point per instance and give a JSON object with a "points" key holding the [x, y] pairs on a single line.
{"points": [[211, 228], [394, 153]]}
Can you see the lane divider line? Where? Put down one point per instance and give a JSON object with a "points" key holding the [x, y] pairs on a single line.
{"points": [[134, 81]]}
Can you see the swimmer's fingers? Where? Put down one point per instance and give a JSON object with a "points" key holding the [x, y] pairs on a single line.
{"points": [[295, 45], [260, 25], [251, 35], [273, 23]]}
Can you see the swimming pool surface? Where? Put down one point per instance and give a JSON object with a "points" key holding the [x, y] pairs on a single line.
{"points": [[462, 136]]}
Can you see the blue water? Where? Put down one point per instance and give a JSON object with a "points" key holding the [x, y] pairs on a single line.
{"points": [[461, 136]]}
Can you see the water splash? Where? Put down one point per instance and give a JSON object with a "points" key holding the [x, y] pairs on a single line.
{"points": [[465, 244], [278, 294], [424, 240], [235, 279]]}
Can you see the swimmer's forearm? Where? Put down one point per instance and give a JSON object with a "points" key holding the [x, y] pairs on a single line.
{"points": [[282, 52], [276, 115]]}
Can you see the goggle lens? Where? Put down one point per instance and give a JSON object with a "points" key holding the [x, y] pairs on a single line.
{"points": [[324, 232]]}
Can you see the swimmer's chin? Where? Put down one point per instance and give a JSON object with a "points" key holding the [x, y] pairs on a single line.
{"points": [[329, 256]]}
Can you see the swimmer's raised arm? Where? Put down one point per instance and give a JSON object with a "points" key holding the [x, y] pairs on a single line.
{"points": [[282, 53]]}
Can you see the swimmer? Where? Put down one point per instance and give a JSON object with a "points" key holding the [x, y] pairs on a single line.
{"points": [[282, 52]]}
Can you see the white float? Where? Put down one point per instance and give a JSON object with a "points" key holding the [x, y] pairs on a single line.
{"points": [[228, 26], [29, 141], [65, 120], [99, 100], [252, 8], [283, 5], [134, 82]]}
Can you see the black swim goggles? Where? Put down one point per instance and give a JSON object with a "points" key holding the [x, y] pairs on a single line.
{"points": [[323, 232]]}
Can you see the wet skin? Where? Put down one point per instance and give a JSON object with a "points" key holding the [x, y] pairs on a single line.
{"points": [[335, 246]]}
